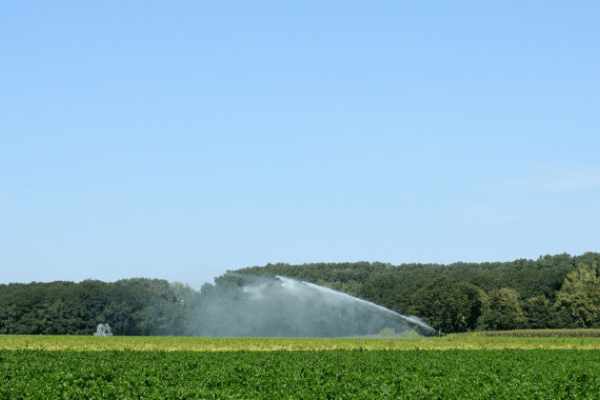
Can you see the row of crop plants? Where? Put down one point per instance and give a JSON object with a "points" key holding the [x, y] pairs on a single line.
{"points": [[339, 374]]}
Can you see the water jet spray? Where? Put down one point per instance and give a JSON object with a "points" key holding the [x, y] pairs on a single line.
{"points": [[284, 307], [413, 321]]}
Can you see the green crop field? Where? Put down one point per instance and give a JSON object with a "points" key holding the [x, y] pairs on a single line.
{"points": [[466, 366]]}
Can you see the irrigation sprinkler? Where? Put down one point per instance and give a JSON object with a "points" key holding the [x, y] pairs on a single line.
{"points": [[103, 330]]}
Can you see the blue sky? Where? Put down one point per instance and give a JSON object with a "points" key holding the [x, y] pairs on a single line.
{"points": [[180, 139]]}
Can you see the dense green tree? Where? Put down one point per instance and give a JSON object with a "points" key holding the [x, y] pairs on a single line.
{"points": [[584, 274], [449, 306], [583, 306], [579, 296], [502, 311], [539, 313]]}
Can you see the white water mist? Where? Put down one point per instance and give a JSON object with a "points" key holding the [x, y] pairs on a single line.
{"points": [[284, 307], [295, 285]]}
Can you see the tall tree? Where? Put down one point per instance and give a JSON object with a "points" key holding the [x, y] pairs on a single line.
{"points": [[449, 306], [539, 313], [502, 311], [580, 295]]}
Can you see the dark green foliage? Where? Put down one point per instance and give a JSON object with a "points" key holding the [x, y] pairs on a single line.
{"points": [[539, 313], [449, 306], [394, 286], [501, 311], [132, 307], [49, 308], [383, 289], [583, 306], [542, 290], [579, 298], [449, 374], [352, 288]]}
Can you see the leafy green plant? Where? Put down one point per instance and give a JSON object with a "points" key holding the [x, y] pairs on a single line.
{"points": [[383, 374]]}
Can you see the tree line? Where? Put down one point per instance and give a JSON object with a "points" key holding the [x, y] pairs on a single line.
{"points": [[559, 291], [132, 307]]}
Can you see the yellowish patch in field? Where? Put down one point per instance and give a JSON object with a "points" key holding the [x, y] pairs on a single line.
{"points": [[95, 343]]}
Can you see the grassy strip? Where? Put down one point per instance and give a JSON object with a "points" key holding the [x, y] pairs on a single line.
{"points": [[137, 343], [498, 374], [538, 333]]}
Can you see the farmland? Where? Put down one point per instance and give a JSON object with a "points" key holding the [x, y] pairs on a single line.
{"points": [[467, 366], [338, 374]]}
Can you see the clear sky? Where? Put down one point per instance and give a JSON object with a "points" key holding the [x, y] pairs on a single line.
{"points": [[179, 139]]}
